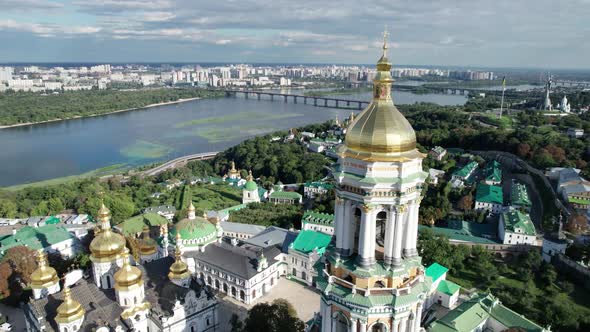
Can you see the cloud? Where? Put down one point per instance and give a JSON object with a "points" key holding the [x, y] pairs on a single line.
{"points": [[46, 30], [28, 5]]}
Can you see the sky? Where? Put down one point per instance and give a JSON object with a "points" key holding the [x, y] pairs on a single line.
{"points": [[480, 33]]}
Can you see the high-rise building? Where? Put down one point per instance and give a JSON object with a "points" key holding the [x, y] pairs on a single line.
{"points": [[374, 280], [6, 74]]}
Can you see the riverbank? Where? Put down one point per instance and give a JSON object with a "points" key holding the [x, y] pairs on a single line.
{"points": [[182, 100]]}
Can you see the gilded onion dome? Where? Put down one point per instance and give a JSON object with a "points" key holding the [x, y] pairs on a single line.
{"points": [[380, 132], [147, 246], [128, 275], [70, 310], [233, 172], [178, 269], [44, 276], [106, 245]]}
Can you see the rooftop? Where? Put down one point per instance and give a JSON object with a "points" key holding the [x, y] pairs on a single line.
{"points": [[489, 194], [318, 218], [518, 222], [35, 237], [308, 240], [466, 231], [273, 236], [519, 195], [135, 224], [435, 271], [448, 287], [493, 172], [466, 170]]}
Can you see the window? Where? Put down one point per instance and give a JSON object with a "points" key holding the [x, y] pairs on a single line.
{"points": [[208, 322]]}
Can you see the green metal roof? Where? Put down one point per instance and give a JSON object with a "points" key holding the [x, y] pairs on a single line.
{"points": [[481, 307], [518, 222], [52, 220], [251, 186], [318, 218], [489, 194], [306, 241], [135, 224], [197, 228], [519, 195], [466, 170], [285, 195], [448, 287], [493, 172], [35, 237], [469, 232], [578, 200], [435, 271]]}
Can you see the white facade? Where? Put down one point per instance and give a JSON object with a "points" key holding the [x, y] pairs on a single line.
{"points": [[300, 266], [328, 229], [492, 207]]}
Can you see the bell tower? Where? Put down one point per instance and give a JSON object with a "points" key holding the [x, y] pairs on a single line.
{"points": [[373, 280]]}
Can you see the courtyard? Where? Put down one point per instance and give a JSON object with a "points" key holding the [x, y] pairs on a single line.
{"points": [[303, 298]]}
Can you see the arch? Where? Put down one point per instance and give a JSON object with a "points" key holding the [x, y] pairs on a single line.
{"points": [[233, 291], [303, 275], [216, 283], [340, 322], [209, 280], [107, 279], [356, 227], [242, 295], [380, 225], [378, 326], [225, 288]]}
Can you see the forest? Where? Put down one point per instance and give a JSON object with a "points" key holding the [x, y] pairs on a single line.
{"points": [[30, 107]]}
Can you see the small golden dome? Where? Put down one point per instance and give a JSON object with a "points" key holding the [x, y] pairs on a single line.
{"points": [[70, 309], [106, 245], [178, 269], [44, 276], [147, 246], [380, 132], [128, 275]]}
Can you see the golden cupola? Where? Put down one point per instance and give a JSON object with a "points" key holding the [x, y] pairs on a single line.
{"points": [[380, 132], [179, 269], [106, 245], [70, 310], [128, 276], [44, 276], [147, 246]]}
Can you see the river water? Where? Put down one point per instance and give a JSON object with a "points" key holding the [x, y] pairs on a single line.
{"points": [[128, 139]]}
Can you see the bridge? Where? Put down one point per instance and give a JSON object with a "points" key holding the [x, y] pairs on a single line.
{"points": [[180, 161], [570, 83], [308, 100]]}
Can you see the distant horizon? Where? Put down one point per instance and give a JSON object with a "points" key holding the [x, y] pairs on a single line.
{"points": [[263, 63]]}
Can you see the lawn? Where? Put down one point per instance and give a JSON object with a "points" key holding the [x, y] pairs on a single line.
{"points": [[215, 196]]}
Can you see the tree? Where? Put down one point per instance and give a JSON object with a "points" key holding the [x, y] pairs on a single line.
{"points": [[55, 205], [5, 274], [273, 317], [236, 323], [8, 209], [466, 202], [577, 224]]}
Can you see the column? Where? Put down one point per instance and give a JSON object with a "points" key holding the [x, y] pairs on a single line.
{"points": [[334, 324], [353, 325], [362, 326], [389, 237], [403, 324], [414, 234], [408, 231], [395, 326], [339, 225], [418, 318], [349, 228], [397, 245], [367, 237], [326, 317]]}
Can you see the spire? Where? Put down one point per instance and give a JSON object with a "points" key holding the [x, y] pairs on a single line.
{"points": [[385, 35], [250, 177], [191, 211], [233, 166], [179, 272], [128, 275], [104, 216]]}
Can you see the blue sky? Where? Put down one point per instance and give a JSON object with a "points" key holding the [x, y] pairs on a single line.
{"points": [[494, 33]]}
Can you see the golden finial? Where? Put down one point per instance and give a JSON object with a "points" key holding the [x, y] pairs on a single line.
{"points": [[250, 177]]}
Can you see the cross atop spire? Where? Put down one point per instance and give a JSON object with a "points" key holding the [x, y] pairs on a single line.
{"points": [[385, 35]]}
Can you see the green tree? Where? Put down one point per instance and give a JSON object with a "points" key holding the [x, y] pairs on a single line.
{"points": [[55, 205], [273, 317], [8, 209]]}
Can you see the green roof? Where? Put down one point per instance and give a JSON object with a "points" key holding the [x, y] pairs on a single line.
{"points": [[448, 287], [318, 218], [307, 241], [318, 184], [466, 231], [466, 170], [52, 220], [435, 271], [35, 237], [519, 195], [195, 229], [518, 222], [473, 312], [578, 200], [493, 172], [285, 195], [135, 224], [489, 194], [251, 186]]}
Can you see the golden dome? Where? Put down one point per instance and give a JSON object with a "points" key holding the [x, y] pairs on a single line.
{"points": [[147, 246], [106, 245], [70, 309], [380, 132], [178, 269], [128, 275], [44, 276]]}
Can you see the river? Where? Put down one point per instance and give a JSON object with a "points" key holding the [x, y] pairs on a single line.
{"points": [[129, 139]]}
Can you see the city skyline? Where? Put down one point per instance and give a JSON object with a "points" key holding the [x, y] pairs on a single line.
{"points": [[476, 33]]}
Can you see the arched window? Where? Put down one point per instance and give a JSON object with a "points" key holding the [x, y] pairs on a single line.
{"points": [[380, 225], [242, 296], [216, 283], [209, 281], [233, 291]]}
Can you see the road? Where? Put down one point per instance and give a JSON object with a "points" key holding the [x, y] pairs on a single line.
{"points": [[180, 161]]}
